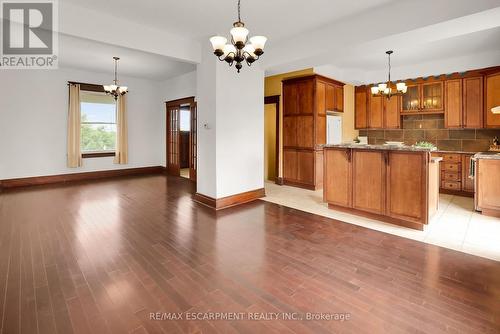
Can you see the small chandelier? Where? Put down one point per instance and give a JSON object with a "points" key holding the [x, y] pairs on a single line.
{"points": [[114, 89], [238, 51], [385, 89]]}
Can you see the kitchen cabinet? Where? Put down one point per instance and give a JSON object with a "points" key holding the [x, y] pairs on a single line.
{"points": [[492, 93], [392, 116], [389, 185], [423, 97], [337, 177], [360, 111], [375, 112], [453, 104], [455, 170], [487, 180], [306, 101], [473, 102], [406, 185], [467, 182], [368, 169], [464, 103]]}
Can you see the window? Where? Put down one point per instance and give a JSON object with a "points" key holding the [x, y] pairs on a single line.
{"points": [[98, 123], [185, 115]]}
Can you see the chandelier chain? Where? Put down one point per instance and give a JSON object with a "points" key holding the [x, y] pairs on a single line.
{"points": [[389, 67], [239, 10]]}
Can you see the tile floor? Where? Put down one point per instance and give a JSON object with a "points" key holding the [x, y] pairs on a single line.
{"points": [[456, 225]]}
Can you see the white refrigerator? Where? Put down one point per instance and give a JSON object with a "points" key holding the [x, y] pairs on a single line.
{"points": [[333, 129]]}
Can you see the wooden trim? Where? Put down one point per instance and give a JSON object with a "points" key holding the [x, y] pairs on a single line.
{"points": [[98, 155], [88, 87], [205, 200], [63, 178], [275, 99], [456, 192], [491, 212], [297, 184], [384, 218], [229, 201], [185, 100], [314, 76]]}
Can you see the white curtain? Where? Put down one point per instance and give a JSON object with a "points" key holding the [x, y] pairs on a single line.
{"points": [[121, 155], [74, 119]]}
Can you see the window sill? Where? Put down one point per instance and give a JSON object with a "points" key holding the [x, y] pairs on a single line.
{"points": [[97, 154]]}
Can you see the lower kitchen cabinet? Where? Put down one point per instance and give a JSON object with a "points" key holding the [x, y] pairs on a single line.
{"points": [[389, 185], [467, 182], [337, 180], [303, 168], [406, 185], [368, 169]]}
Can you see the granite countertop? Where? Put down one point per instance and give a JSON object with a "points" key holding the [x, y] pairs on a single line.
{"points": [[382, 147], [487, 155], [455, 152]]}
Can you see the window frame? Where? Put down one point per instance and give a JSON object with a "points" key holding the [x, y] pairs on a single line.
{"points": [[84, 87]]}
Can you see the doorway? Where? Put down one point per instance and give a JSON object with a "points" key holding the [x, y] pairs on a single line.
{"points": [[271, 138], [181, 138]]}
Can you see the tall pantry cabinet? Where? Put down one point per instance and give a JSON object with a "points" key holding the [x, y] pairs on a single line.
{"points": [[306, 101]]}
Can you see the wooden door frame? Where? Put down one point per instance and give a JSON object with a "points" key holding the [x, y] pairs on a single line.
{"points": [[275, 99], [176, 103]]}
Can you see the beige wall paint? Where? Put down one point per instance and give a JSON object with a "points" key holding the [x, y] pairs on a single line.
{"points": [[348, 130], [270, 142]]}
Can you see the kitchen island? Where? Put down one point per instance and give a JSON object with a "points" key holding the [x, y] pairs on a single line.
{"points": [[395, 184]]}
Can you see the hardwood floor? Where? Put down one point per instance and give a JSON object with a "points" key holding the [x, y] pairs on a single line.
{"points": [[100, 256]]}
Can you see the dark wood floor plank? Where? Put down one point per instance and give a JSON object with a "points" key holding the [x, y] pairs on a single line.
{"points": [[114, 251]]}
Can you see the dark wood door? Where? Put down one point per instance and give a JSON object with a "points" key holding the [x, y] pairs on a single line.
{"points": [[193, 143], [184, 149], [173, 140]]}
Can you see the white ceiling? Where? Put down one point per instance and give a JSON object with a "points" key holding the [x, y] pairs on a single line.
{"points": [[276, 19], [94, 56], [347, 35], [415, 52]]}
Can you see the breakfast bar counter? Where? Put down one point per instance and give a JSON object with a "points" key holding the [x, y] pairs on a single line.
{"points": [[395, 184]]}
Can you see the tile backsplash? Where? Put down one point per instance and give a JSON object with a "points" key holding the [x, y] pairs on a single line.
{"points": [[431, 128]]}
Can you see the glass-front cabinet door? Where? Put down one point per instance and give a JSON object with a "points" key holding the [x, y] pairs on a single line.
{"points": [[432, 96], [411, 99]]}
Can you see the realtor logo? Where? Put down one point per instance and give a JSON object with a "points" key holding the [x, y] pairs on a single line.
{"points": [[29, 37]]}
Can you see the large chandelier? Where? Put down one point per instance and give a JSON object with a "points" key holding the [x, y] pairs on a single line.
{"points": [[238, 50], [114, 89], [385, 89]]}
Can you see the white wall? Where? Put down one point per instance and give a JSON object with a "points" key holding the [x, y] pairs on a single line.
{"points": [[231, 147], [206, 182], [33, 123], [240, 130]]}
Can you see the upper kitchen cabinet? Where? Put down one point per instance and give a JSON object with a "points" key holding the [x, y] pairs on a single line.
{"points": [[492, 93], [423, 97], [464, 103], [333, 98], [375, 112], [361, 112]]}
